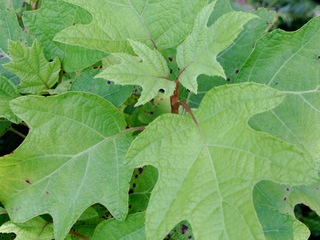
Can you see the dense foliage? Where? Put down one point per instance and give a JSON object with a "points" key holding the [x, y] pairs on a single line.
{"points": [[156, 120]]}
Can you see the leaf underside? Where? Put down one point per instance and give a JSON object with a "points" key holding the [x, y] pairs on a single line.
{"points": [[68, 161], [207, 170]]}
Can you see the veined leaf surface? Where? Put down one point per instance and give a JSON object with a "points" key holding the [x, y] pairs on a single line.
{"points": [[152, 74], [197, 54], [30, 65], [161, 23], [52, 17], [72, 158], [8, 91], [208, 168], [289, 62]]}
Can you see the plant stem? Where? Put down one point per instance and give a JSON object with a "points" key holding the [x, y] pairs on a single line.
{"points": [[72, 232], [17, 132], [174, 99]]}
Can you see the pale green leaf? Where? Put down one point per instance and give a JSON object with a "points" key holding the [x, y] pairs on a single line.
{"points": [[289, 62], [130, 229], [151, 72], [36, 228], [207, 170], [162, 23], [72, 158], [8, 92], [9, 30], [30, 65], [51, 18], [234, 56], [197, 54]]}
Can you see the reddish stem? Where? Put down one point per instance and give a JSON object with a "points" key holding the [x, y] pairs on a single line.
{"points": [[174, 99]]}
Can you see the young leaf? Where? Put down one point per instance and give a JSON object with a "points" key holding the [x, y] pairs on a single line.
{"points": [[208, 168], [197, 54], [8, 91], [29, 64], [36, 228], [131, 228], [9, 26], [160, 23], [47, 21], [9, 30], [72, 158], [152, 74], [293, 67]]}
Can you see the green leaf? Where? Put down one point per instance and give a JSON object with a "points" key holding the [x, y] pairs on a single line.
{"points": [[4, 125], [278, 226], [72, 158], [208, 169], [30, 65], [297, 119], [9, 30], [162, 23], [197, 54], [86, 82], [238, 52], [8, 92], [145, 114], [9, 26], [36, 228], [141, 185], [132, 228], [51, 18], [232, 58], [280, 200], [151, 73]]}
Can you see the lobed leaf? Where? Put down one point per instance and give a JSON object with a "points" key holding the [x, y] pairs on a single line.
{"points": [[72, 158], [30, 65], [151, 73], [116, 94], [9, 30], [197, 54], [293, 67], [52, 17], [36, 228], [8, 92], [279, 201], [208, 168], [160, 23]]}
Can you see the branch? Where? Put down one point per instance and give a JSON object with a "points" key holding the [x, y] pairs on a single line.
{"points": [[17, 132], [74, 233]]}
